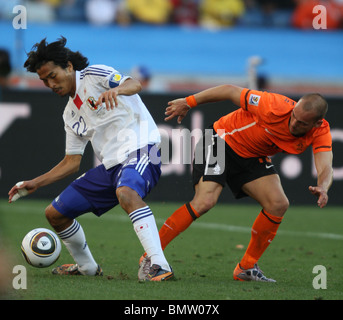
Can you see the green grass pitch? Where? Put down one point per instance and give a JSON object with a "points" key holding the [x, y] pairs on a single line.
{"points": [[203, 257]]}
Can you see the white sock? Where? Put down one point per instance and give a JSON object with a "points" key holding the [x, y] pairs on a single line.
{"points": [[145, 227], [75, 241]]}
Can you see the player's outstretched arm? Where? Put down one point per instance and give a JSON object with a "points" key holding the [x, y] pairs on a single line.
{"points": [[180, 107], [127, 88], [177, 108], [69, 165], [323, 163]]}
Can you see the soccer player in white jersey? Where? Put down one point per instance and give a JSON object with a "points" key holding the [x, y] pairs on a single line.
{"points": [[105, 109]]}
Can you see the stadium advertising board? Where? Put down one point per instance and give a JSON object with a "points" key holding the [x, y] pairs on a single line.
{"points": [[32, 142]]}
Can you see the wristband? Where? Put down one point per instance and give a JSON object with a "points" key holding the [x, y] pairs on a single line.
{"points": [[191, 101]]}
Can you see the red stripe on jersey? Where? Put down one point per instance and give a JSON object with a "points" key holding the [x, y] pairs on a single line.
{"points": [[78, 102]]}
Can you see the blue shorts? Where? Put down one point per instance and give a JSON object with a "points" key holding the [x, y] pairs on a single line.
{"points": [[95, 191]]}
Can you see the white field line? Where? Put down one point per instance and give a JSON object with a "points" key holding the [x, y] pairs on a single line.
{"points": [[121, 217], [228, 228]]}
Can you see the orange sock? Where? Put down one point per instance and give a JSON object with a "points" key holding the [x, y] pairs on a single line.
{"points": [[178, 222], [263, 232]]}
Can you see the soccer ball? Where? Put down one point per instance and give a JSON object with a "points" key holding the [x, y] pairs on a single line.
{"points": [[41, 248]]}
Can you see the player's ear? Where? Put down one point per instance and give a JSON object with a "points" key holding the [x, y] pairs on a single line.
{"points": [[318, 123], [70, 66]]}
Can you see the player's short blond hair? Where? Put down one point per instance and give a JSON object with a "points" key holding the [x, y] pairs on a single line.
{"points": [[315, 102]]}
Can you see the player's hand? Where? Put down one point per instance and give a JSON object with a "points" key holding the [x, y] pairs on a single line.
{"points": [[110, 99], [322, 195], [176, 108], [21, 189]]}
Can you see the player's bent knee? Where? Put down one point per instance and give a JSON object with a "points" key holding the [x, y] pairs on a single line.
{"points": [[129, 199], [56, 219], [123, 195], [49, 213], [203, 205], [277, 207], [283, 205]]}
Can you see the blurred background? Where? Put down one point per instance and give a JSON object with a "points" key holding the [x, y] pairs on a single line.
{"points": [[174, 47]]}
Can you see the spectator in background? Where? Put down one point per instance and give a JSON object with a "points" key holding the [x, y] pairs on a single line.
{"points": [[101, 12], [185, 12], [41, 11], [267, 13], [106, 12], [150, 11], [5, 67], [123, 15], [6, 8], [37, 10], [53, 3], [220, 13], [143, 75], [304, 16], [71, 10]]}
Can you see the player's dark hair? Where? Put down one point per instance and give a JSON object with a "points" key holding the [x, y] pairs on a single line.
{"points": [[316, 102], [56, 52]]}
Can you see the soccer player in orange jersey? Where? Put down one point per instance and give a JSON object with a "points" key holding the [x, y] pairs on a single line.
{"points": [[265, 124]]}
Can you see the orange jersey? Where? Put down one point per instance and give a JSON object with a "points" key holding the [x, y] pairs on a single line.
{"points": [[260, 127]]}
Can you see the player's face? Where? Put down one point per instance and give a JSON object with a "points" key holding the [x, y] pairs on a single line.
{"points": [[301, 121], [61, 81]]}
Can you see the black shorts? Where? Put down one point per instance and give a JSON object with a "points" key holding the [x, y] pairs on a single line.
{"points": [[215, 161]]}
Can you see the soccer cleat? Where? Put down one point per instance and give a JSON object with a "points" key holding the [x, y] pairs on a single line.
{"points": [[144, 267], [253, 274], [73, 270], [156, 273]]}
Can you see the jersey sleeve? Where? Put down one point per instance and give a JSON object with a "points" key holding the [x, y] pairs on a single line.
{"points": [[105, 76], [265, 105], [250, 100], [115, 79], [74, 143], [322, 140]]}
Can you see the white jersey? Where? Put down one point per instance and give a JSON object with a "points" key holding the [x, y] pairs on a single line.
{"points": [[114, 134]]}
